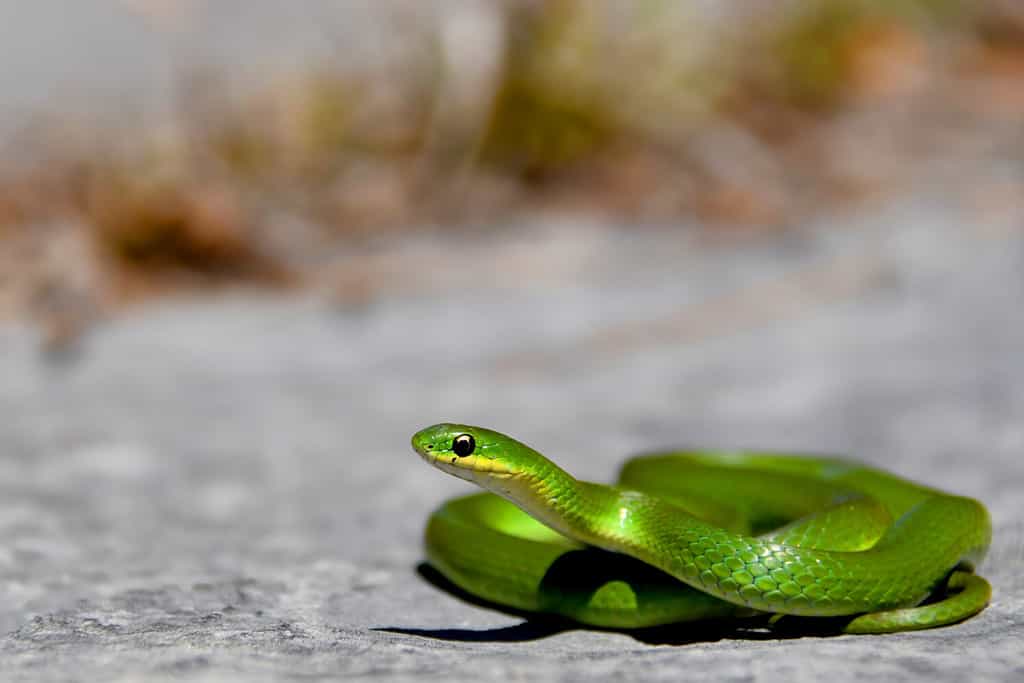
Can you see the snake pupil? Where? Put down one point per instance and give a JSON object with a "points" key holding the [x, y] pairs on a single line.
{"points": [[463, 445]]}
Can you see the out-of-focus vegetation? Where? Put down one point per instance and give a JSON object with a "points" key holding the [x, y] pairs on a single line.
{"points": [[821, 50], [627, 109]]}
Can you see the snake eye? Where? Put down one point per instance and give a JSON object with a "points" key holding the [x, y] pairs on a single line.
{"points": [[463, 445]]}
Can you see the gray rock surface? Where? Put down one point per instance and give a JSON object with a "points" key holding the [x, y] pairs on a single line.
{"points": [[223, 490]]}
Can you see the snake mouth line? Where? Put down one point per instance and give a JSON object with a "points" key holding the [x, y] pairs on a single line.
{"points": [[468, 468]]}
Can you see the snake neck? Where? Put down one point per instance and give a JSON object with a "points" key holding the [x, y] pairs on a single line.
{"points": [[553, 497], [596, 514]]}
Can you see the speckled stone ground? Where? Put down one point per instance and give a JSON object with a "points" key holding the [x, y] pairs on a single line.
{"points": [[224, 490]]}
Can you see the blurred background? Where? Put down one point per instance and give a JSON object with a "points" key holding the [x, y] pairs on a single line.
{"points": [[152, 147], [248, 247]]}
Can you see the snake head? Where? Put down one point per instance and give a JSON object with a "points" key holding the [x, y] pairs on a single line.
{"points": [[475, 454]]}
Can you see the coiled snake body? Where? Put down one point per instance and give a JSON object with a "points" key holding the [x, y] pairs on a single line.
{"points": [[699, 534]]}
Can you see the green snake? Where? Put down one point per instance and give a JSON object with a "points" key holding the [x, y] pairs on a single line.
{"points": [[700, 535]]}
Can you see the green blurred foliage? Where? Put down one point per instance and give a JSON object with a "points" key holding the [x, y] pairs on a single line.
{"points": [[813, 47], [548, 112]]}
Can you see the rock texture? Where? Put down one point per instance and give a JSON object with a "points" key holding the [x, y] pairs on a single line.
{"points": [[223, 490]]}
